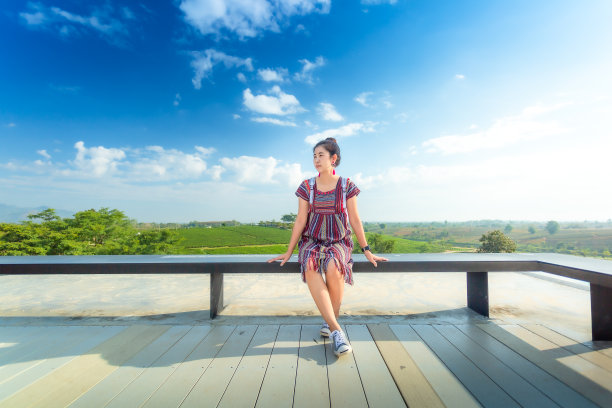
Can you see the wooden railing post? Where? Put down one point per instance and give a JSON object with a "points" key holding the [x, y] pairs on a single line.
{"points": [[478, 292], [601, 312], [216, 293]]}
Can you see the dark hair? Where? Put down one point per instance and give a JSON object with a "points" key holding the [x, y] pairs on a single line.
{"points": [[331, 146]]}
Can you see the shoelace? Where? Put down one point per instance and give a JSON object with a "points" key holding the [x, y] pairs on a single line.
{"points": [[339, 338]]}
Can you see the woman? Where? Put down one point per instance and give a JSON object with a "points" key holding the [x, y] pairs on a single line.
{"points": [[327, 204]]}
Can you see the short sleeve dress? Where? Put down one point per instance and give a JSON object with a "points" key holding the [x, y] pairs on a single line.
{"points": [[327, 234]]}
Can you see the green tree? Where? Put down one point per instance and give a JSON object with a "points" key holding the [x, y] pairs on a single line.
{"points": [[496, 241], [380, 245], [531, 229], [382, 226], [90, 232], [508, 229], [289, 217], [552, 227]]}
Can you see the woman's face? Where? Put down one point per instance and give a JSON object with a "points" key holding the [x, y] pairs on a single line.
{"points": [[322, 160]]}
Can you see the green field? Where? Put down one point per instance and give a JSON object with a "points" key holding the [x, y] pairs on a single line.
{"points": [[248, 239]]}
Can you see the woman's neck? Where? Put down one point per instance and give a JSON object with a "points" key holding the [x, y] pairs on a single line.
{"points": [[327, 178]]}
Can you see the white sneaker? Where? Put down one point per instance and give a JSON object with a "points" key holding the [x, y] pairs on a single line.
{"points": [[325, 332], [341, 345]]}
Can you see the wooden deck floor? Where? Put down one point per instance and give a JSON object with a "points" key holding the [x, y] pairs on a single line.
{"points": [[424, 365]]}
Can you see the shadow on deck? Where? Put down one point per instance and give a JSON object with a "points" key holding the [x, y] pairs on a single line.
{"points": [[453, 363]]}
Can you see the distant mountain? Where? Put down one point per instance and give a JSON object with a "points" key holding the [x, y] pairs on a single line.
{"points": [[13, 214]]}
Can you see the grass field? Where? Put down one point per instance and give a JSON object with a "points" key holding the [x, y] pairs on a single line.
{"points": [[250, 239]]}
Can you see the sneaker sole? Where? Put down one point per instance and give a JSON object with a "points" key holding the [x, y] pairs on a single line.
{"points": [[325, 333], [338, 354]]}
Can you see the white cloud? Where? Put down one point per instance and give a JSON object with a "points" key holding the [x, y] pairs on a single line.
{"points": [[157, 163], [362, 98], [10, 125], [278, 103], [307, 69], [103, 20], [258, 170], [204, 62], [350, 129], [205, 151], [328, 112], [241, 77], [216, 171], [503, 132], [177, 100], [460, 76], [246, 18], [274, 121], [97, 161], [271, 75], [44, 153], [236, 116]]}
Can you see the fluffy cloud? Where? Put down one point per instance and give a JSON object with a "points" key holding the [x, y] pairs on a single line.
{"points": [[97, 161], [503, 132], [246, 18], [460, 76], [271, 75], [204, 62], [157, 163], [278, 103], [274, 121], [105, 21], [328, 112], [350, 129], [258, 170], [305, 75], [362, 98], [44, 153]]}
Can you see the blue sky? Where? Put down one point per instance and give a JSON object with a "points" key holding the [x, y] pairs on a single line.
{"points": [[208, 109]]}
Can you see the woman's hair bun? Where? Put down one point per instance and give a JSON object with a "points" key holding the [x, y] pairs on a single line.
{"points": [[331, 139]]}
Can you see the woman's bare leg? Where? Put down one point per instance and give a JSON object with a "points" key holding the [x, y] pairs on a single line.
{"points": [[320, 294], [335, 286]]}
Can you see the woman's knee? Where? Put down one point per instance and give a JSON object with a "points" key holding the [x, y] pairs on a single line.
{"points": [[333, 272]]}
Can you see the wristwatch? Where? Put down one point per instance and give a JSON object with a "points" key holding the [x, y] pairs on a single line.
{"points": [[365, 248]]}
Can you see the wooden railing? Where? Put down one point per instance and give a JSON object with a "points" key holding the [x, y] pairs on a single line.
{"points": [[595, 271]]}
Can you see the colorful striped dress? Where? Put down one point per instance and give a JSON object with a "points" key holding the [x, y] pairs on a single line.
{"points": [[327, 234]]}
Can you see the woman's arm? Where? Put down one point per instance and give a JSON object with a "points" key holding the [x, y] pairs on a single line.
{"points": [[357, 226], [298, 228]]}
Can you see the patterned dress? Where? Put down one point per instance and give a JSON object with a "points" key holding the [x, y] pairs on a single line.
{"points": [[327, 234]]}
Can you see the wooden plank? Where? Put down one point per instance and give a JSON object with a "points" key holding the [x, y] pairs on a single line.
{"points": [[279, 381], [604, 347], [345, 388], [174, 390], [36, 347], [479, 384], [556, 390], [14, 338], [76, 344], [412, 384], [244, 387], [311, 386], [519, 389], [139, 390], [379, 387], [59, 339], [73, 379], [209, 389], [588, 379], [449, 389], [572, 346], [113, 384]]}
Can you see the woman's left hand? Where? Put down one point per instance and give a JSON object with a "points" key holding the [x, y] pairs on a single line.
{"points": [[373, 258]]}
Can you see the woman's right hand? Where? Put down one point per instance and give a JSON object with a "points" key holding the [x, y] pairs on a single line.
{"points": [[283, 258]]}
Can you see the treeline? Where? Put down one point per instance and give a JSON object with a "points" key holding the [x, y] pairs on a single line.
{"points": [[90, 232]]}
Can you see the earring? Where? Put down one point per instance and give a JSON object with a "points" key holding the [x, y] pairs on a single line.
{"points": [[319, 174], [334, 172]]}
